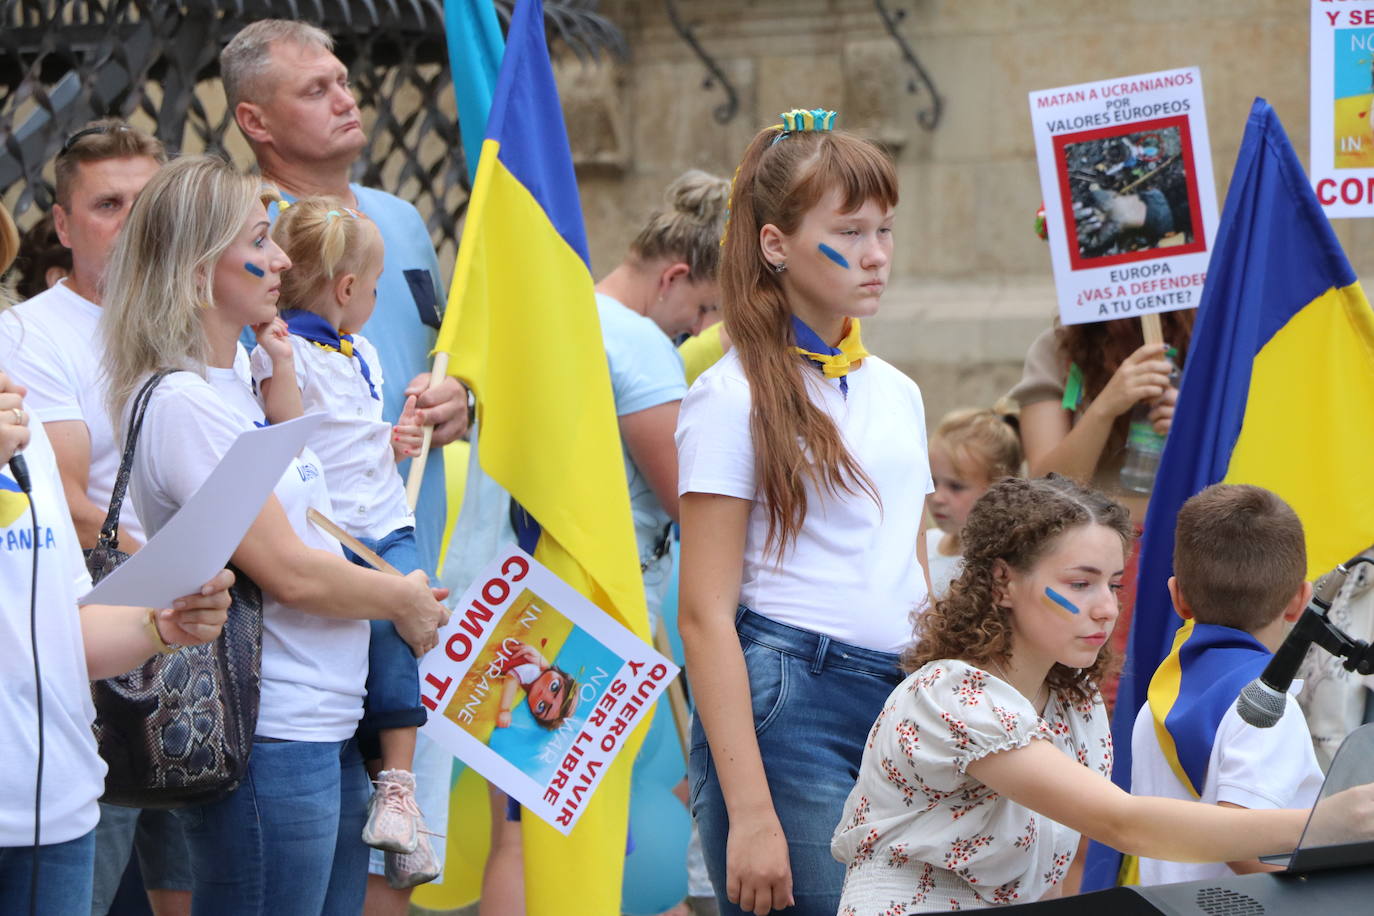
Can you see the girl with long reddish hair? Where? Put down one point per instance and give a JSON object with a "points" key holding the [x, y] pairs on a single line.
{"points": [[802, 471]]}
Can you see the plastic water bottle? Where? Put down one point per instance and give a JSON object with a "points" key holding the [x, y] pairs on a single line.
{"points": [[1144, 446]]}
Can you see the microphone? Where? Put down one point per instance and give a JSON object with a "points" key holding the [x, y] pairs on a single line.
{"points": [[20, 469], [1262, 701]]}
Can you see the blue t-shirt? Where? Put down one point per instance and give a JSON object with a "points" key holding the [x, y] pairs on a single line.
{"points": [[646, 371], [403, 328]]}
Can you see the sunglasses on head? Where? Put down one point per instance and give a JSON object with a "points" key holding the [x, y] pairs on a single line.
{"points": [[88, 132]]}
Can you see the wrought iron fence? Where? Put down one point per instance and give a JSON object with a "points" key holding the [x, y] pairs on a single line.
{"points": [[155, 62]]}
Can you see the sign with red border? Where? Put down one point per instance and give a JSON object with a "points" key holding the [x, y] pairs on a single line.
{"points": [[1130, 207]]}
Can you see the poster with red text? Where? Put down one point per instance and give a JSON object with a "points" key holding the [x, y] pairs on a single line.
{"points": [[1130, 206], [536, 688], [1342, 81]]}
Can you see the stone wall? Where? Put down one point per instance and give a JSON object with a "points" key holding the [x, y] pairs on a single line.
{"points": [[972, 283]]}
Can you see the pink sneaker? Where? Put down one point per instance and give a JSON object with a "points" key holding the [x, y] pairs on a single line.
{"points": [[393, 818], [405, 870]]}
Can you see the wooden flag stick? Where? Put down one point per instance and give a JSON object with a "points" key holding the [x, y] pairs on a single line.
{"points": [[677, 697], [417, 464], [352, 543]]}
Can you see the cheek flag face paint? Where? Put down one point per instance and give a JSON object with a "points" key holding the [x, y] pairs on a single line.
{"points": [[254, 269], [833, 255], [1055, 598]]}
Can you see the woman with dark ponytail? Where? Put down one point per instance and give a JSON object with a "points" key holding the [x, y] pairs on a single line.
{"points": [[802, 471]]}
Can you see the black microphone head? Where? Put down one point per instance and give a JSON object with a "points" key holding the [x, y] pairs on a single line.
{"points": [[20, 469], [1260, 705]]}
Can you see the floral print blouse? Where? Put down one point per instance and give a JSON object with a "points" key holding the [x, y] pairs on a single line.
{"points": [[919, 835]]}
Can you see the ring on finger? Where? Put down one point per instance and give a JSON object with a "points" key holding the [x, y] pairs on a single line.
{"points": [[20, 418]]}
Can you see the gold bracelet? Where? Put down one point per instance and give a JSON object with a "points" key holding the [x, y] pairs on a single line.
{"points": [[163, 647]]}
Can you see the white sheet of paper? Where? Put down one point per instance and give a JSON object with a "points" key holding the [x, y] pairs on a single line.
{"points": [[197, 541]]}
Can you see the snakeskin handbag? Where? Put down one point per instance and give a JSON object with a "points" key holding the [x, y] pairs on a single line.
{"points": [[177, 730]]}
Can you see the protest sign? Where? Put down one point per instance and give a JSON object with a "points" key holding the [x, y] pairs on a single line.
{"points": [[1130, 206], [536, 688], [1342, 85]]}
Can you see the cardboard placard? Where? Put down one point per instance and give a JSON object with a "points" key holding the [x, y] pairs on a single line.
{"points": [[518, 644], [1130, 204], [1342, 81]]}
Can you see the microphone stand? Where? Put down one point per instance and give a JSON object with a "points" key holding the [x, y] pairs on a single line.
{"points": [[1317, 627]]}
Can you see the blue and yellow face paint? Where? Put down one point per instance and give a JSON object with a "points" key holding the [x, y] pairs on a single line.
{"points": [[1056, 600], [833, 255], [254, 269]]}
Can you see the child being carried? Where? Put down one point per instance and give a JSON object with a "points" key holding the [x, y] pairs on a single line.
{"points": [[308, 361]]}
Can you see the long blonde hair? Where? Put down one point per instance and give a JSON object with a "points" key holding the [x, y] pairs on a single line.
{"points": [[161, 272], [324, 239], [779, 180]]}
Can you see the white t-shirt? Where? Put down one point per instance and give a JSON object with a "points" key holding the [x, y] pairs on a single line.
{"points": [[852, 574], [355, 442], [1251, 767], [73, 773], [52, 345], [943, 569], [313, 668]]}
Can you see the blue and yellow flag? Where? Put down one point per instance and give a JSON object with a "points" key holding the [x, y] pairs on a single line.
{"points": [[1278, 392], [522, 331]]}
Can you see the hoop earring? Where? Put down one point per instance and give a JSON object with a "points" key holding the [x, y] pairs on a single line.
{"points": [[778, 268]]}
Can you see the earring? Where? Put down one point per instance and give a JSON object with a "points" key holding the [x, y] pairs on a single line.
{"points": [[778, 268]]}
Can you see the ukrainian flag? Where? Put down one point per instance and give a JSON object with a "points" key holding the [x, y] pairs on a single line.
{"points": [[522, 332], [1278, 392]]}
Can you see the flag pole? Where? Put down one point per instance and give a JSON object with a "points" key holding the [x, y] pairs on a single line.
{"points": [[417, 464]]}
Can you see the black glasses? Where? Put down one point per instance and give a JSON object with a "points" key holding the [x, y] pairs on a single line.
{"points": [[88, 132]]}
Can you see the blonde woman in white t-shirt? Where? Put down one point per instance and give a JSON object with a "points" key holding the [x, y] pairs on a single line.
{"points": [[193, 265], [802, 472]]}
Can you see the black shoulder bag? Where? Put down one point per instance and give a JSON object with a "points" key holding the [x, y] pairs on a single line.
{"points": [[177, 730]]}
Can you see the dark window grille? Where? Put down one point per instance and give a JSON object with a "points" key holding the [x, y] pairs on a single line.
{"points": [[65, 62]]}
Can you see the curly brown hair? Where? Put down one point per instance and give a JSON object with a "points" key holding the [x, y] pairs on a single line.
{"points": [[1100, 347], [1016, 521]]}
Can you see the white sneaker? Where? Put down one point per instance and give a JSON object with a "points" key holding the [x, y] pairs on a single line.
{"points": [[405, 870], [393, 818]]}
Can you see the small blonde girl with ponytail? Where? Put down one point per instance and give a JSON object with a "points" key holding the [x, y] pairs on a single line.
{"points": [[802, 472], [308, 361], [971, 449]]}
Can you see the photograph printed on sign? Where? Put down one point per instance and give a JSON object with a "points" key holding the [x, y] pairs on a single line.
{"points": [[1353, 93], [1128, 193], [532, 686]]}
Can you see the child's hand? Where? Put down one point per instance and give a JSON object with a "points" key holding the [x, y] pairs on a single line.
{"points": [[503, 719], [407, 436], [275, 338]]}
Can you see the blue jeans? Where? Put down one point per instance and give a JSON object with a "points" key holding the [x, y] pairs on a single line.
{"points": [[64, 878], [163, 860], [288, 840], [393, 674], [814, 701]]}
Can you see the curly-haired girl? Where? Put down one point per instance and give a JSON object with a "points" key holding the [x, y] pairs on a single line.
{"points": [[991, 758]]}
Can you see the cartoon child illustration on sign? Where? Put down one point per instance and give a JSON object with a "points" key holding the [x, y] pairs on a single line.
{"points": [[550, 692]]}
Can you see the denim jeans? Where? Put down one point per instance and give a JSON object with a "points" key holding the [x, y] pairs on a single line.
{"points": [[814, 701], [64, 878], [393, 675], [163, 859], [288, 840]]}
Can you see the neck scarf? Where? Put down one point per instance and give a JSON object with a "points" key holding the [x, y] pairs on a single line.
{"points": [[1193, 689], [834, 362], [312, 327]]}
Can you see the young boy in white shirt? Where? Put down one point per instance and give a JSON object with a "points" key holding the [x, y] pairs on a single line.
{"points": [[1239, 583]]}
